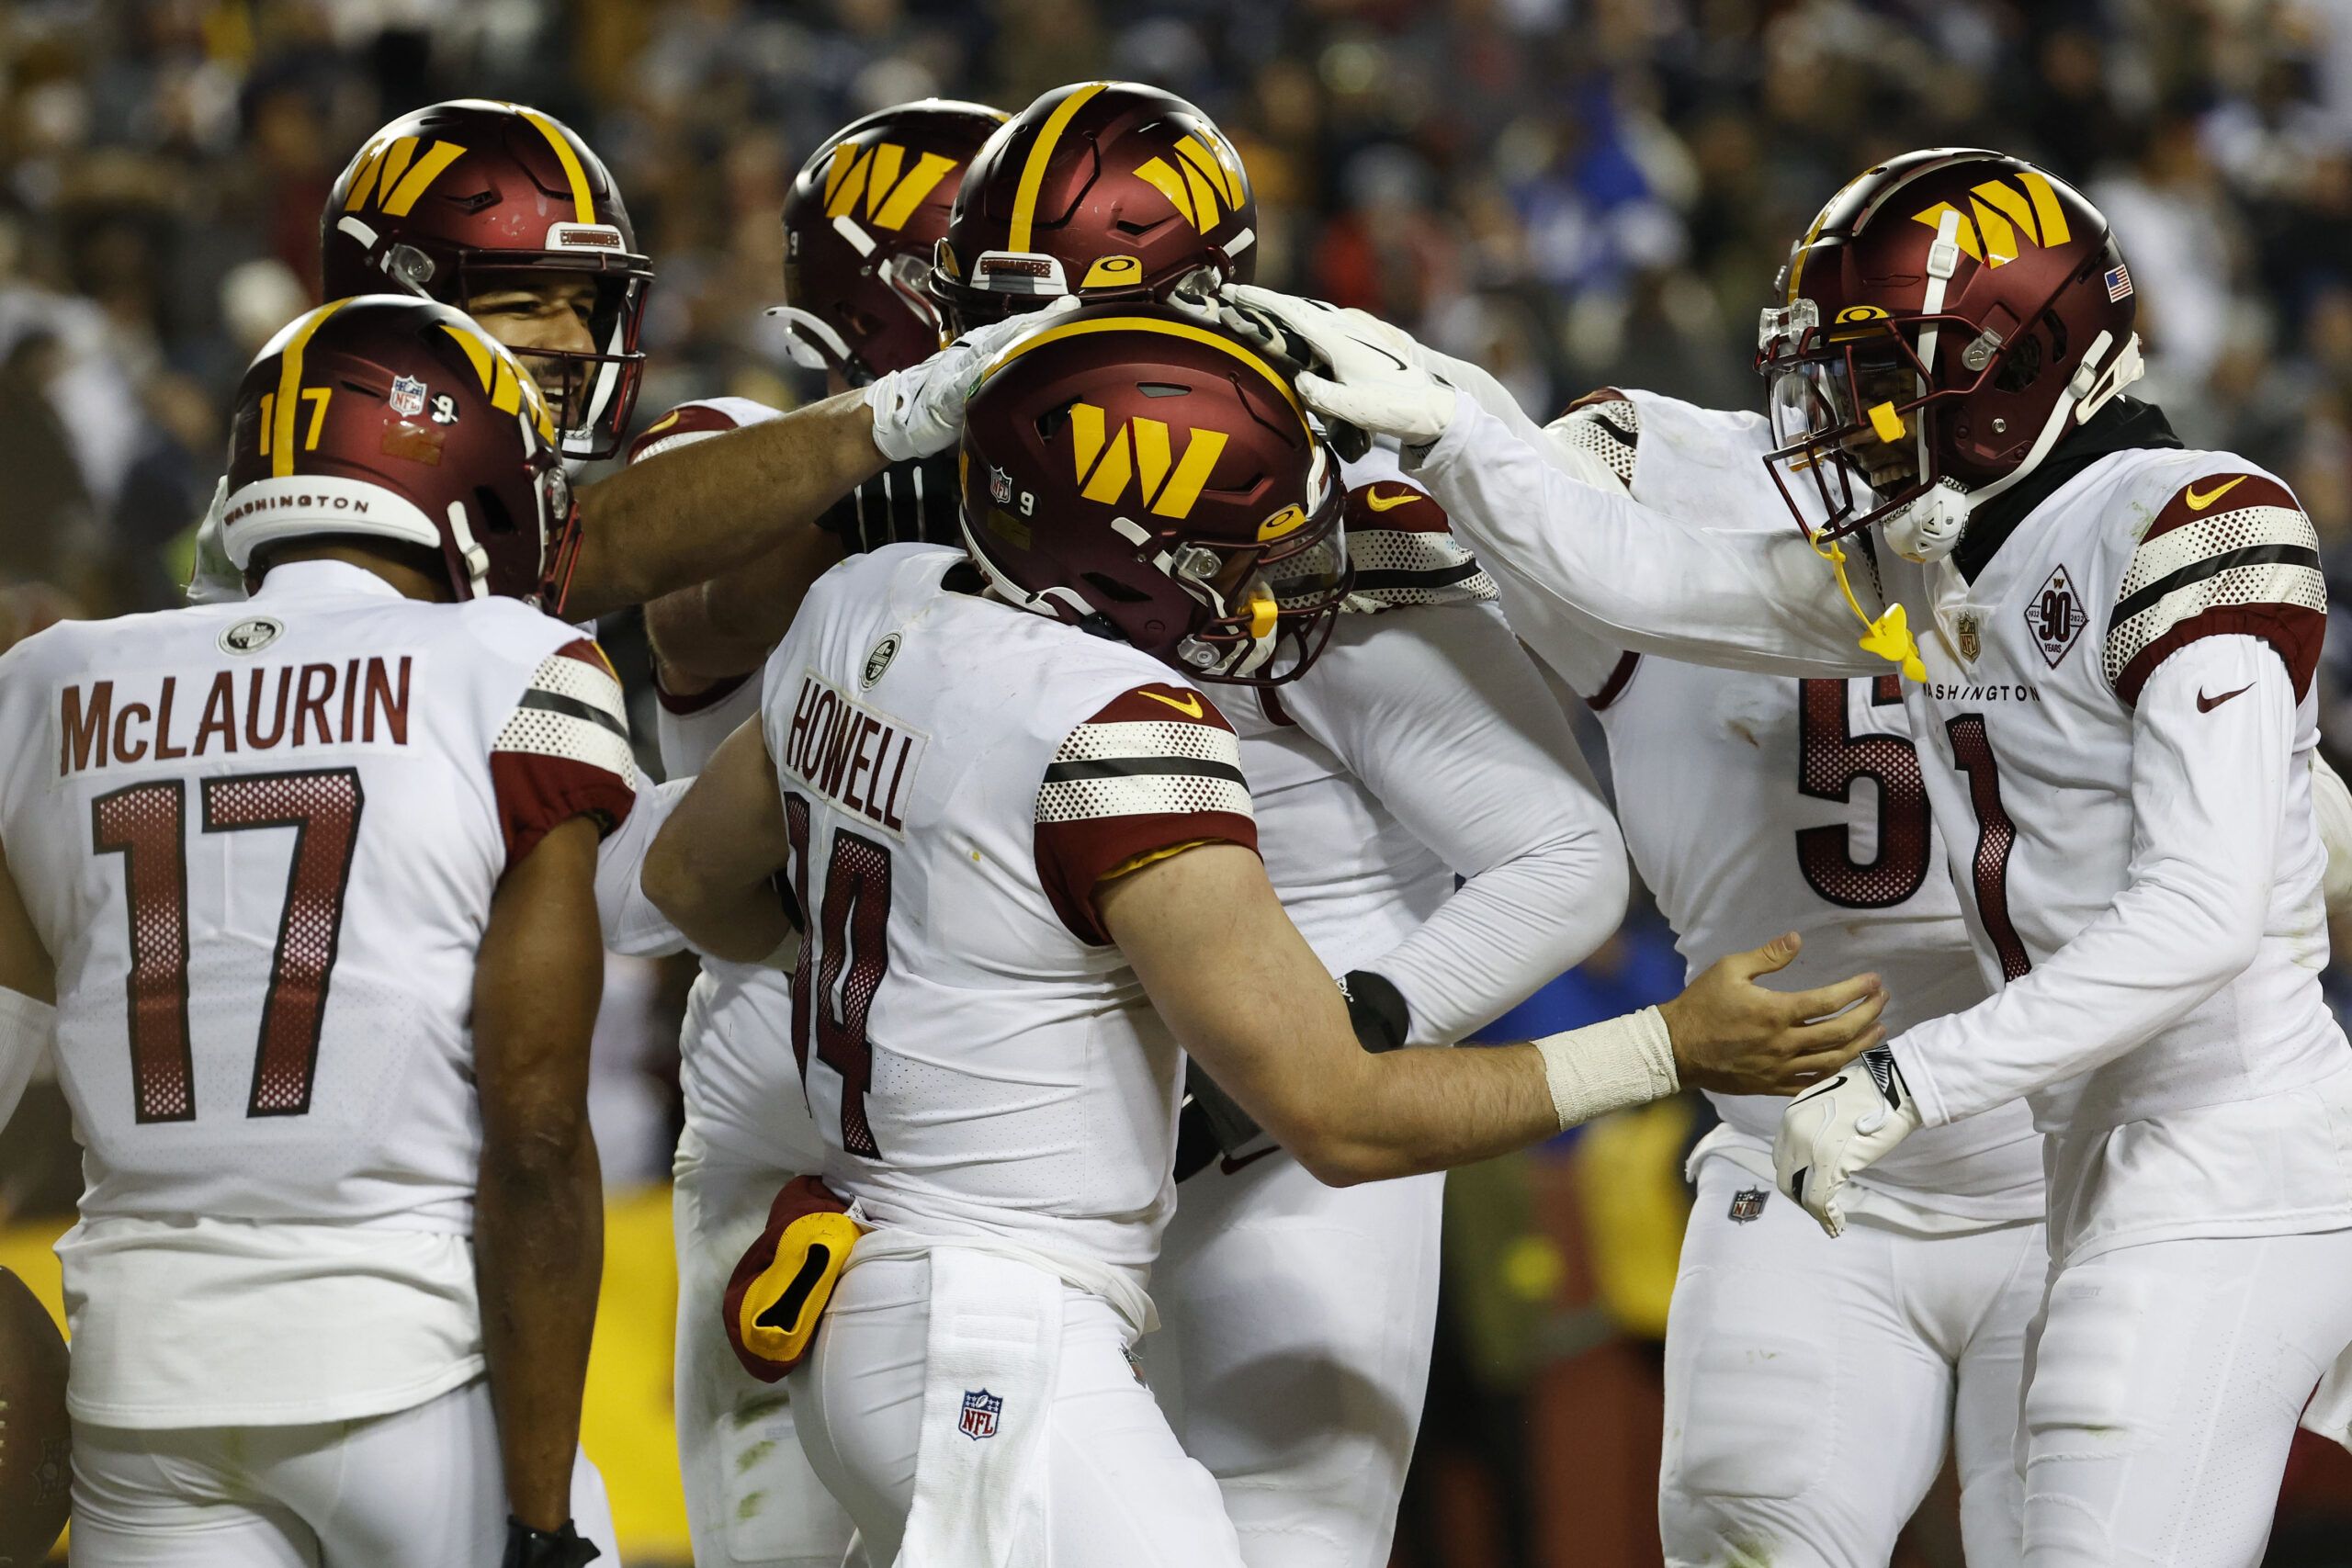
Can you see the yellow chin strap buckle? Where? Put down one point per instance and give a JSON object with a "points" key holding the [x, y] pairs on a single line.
{"points": [[1262, 613], [1889, 637]]}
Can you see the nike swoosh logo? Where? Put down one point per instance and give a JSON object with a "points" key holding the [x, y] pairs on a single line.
{"points": [[1379, 502], [2206, 704], [1229, 1165], [1190, 707], [2199, 502]]}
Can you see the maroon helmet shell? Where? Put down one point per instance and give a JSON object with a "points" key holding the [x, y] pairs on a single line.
{"points": [[860, 223], [1129, 468], [1109, 190], [453, 190], [400, 419], [1961, 307]]}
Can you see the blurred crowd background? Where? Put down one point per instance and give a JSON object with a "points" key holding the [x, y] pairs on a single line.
{"points": [[1576, 192]]}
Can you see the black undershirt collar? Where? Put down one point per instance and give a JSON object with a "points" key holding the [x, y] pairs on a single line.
{"points": [[2124, 425]]}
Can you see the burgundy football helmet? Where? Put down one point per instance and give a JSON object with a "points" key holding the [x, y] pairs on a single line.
{"points": [[1108, 190], [453, 191], [1130, 468], [396, 418], [1948, 318], [860, 223]]}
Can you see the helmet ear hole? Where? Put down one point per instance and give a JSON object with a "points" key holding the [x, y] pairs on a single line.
{"points": [[495, 518], [2023, 366], [1113, 590]]}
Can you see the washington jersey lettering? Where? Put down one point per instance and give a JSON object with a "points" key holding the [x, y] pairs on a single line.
{"points": [[957, 777]]}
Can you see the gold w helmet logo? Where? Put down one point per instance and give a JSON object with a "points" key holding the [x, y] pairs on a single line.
{"points": [[1999, 213], [1140, 450], [394, 176], [878, 174], [1203, 183], [509, 390]]}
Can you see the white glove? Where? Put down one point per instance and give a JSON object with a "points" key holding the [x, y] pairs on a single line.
{"points": [[1374, 380], [1837, 1127], [918, 412], [214, 579]]}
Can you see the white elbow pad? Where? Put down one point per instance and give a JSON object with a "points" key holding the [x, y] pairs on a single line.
{"points": [[27, 1027], [1609, 1066]]}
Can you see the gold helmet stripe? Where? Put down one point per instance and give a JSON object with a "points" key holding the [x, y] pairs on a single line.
{"points": [[1165, 329], [420, 178], [289, 391], [582, 201], [1041, 152]]}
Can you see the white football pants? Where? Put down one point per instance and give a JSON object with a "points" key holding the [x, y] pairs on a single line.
{"points": [[2165, 1381], [1812, 1384], [751, 1496], [1293, 1351], [420, 1488], [1122, 1494]]}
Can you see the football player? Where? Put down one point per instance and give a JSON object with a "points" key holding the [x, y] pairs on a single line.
{"points": [[502, 209], [309, 878], [1019, 837], [1421, 747], [2108, 642], [860, 225]]}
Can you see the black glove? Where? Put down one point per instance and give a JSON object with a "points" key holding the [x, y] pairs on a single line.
{"points": [[906, 503], [527, 1548]]}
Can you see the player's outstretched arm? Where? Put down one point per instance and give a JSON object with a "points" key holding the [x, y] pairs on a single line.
{"points": [[1240, 989], [685, 517], [28, 992], [682, 517], [723, 628], [711, 866], [538, 1212]]}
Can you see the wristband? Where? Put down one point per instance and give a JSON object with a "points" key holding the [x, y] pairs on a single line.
{"points": [[1609, 1066], [527, 1548]]}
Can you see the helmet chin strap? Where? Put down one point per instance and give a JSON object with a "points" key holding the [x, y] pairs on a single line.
{"points": [[1929, 528], [477, 559], [800, 328]]}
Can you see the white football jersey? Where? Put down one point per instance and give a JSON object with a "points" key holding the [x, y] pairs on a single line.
{"points": [[260, 840], [1758, 804], [958, 776], [2117, 654], [738, 1075], [2236, 1108], [1419, 748]]}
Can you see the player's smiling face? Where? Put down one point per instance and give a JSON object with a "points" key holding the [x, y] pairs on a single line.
{"points": [[552, 314]]}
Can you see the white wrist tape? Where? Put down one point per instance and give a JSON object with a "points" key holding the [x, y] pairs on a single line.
{"points": [[1608, 1067], [27, 1029]]}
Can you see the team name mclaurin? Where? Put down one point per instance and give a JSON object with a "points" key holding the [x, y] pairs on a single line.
{"points": [[359, 700], [861, 760]]}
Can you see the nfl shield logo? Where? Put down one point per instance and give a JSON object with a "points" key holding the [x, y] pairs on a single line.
{"points": [[980, 1411], [1972, 635], [999, 486], [407, 396], [1747, 1204]]}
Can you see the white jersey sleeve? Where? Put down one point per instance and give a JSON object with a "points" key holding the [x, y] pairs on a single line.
{"points": [[1445, 721], [2213, 743], [690, 728], [1599, 560], [633, 927]]}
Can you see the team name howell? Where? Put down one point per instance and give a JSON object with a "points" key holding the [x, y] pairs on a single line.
{"points": [[358, 701], [860, 759]]}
